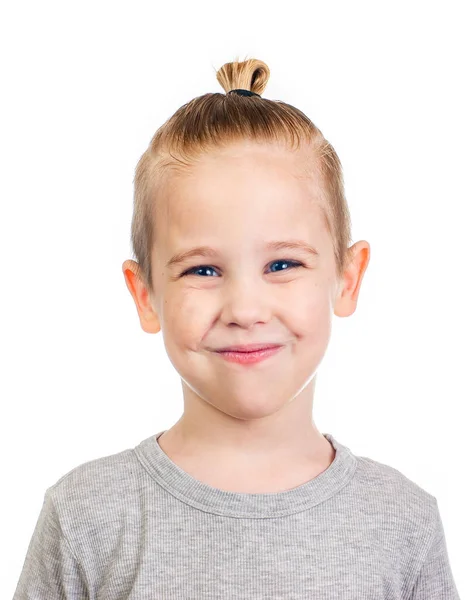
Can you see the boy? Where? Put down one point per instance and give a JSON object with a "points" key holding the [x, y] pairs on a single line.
{"points": [[243, 265]]}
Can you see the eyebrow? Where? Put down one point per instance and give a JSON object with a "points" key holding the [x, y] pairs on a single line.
{"points": [[207, 251]]}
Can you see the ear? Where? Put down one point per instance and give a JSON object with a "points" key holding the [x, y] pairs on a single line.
{"points": [[347, 299], [135, 283]]}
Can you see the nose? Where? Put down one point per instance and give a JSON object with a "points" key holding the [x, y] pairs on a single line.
{"points": [[245, 306]]}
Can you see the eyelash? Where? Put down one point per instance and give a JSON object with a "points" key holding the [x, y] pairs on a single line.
{"points": [[296, 264]]}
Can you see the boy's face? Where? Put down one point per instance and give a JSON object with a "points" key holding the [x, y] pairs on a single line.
{"points": [[236, 201]]}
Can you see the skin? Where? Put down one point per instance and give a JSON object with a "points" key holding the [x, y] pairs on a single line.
{"points": [[246, 428]]}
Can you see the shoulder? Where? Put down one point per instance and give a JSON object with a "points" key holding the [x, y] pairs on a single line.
{"points": [[95, 491], [98, 473], [404, 521], [385, 478], [397, 500]]}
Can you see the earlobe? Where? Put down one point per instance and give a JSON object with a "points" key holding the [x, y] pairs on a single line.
{"points": [[149, 320]]}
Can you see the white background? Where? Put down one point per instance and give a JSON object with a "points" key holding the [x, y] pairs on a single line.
{"points": [[85, 86]]}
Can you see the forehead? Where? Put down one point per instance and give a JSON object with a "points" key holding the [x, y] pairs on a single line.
{"points": [[269, 164], [246, 187]]}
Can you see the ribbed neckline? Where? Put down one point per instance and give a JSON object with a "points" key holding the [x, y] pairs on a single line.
{"points": [[183, 486]]}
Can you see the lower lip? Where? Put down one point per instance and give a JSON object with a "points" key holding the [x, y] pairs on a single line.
{"points": [[248, 358]]}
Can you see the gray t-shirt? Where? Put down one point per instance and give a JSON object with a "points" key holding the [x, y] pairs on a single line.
{"points": [[134, 525]]}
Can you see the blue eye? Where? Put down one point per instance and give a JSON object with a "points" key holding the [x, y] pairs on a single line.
{"points": [[294, 264]]}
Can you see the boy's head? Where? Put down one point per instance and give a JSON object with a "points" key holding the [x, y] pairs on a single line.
{"points": [[225, 173]]}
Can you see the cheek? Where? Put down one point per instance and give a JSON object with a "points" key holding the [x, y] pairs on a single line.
{"points": [[311, 321], [185, 314], [310, 312]]}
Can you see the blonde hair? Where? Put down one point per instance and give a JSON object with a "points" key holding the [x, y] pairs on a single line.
{"points": [[215, 120]]}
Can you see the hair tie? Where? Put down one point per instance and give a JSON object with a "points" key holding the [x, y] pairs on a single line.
{"points": [[244, 93]]}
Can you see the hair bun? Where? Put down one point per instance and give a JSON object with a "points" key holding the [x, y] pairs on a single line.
{"points": [[250, 74]]}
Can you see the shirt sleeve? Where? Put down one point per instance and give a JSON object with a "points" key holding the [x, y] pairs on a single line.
{"points": [[435, 580], [50, 570]]}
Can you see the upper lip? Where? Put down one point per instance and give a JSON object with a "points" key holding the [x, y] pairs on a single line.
{"points": [[247, 347]]}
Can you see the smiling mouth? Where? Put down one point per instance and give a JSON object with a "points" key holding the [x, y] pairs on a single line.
{"points": [[249, 347], [251, 357]]}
